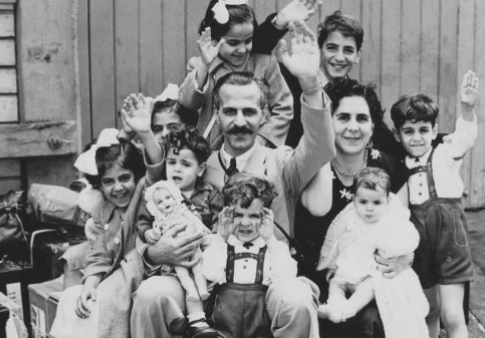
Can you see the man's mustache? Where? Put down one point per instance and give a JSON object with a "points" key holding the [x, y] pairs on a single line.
{"points": [[239, 130]]}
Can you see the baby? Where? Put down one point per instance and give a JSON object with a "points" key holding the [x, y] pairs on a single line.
{"points": [[374, 222], [164, 202]]}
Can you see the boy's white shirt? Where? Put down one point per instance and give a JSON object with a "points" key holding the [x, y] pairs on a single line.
{"points": [[278, 264], [446, 163], [241, 160]]}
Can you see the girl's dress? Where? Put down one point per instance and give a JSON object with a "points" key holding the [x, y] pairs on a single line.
{"points": [[350, 246]]}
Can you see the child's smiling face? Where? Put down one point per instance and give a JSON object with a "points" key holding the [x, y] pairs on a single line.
{"points": [[238, 44], [247, 221], [417, 137], [118, 185], [183, 169], [164, 201]]}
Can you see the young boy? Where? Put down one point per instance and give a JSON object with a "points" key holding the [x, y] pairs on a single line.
{"points": [[443, 259], [244, 258]]}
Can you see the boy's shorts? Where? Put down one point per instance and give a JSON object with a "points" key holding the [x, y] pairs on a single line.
{"points": [[443, 255]]}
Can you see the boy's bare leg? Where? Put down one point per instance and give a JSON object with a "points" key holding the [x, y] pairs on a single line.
{"points": [[433, 317], [452, 310]]}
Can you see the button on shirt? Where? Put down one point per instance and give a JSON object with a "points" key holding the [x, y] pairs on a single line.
{"points": [[446, 163]]}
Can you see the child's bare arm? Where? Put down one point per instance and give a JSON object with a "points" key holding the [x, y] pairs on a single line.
{"points": [[469, 95]]}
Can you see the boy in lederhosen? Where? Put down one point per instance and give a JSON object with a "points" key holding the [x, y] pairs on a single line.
{"points": [[443, 259], [244, 258]]}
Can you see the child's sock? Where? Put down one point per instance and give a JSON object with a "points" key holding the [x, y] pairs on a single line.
{"points": [[197, 319]]}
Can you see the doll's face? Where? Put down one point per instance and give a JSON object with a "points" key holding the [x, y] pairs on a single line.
{"points": [[164, 201], [370, 204], [247, 221]]}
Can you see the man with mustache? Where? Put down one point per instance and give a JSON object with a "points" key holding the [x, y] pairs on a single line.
{"points": [[239, 100]]}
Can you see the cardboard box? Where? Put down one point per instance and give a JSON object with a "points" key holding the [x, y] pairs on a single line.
{"points": [[43, 305]]}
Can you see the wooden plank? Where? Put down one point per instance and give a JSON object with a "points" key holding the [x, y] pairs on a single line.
{"points": [[31, 139], [6, 7], [9, 80], [465, 61], [194, 13], [329, 7], [447, 94], [281, 3], [7, 52], [50, 85], [84, 72], [410, 47], [9, 108], [173, 41], [430, 23], [370, 69], [9, 168], [102, 65], [477, 193], [126, 49], [51, 170], [264, 8], [391, 63], [7, 184], [353, 7], [7, 24], [150, 47]]}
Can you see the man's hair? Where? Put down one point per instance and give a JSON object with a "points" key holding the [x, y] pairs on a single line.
{"points": [[187, 116], [124, 154], [414, 108], [371, 178], [345, 87], [238, 14], [345, 24], [189, 138], [239, 79], [244, 189]]}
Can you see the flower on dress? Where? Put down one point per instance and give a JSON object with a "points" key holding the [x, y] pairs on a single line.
{"points": [[344, 193], [375, 154]]}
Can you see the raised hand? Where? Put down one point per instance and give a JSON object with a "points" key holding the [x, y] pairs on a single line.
{"points": [[267, 224], [304, 60], [296, 10], [208, 50], [136, 113], [225, 225], [469, 89]]}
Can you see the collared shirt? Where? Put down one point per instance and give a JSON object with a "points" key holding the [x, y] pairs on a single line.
{"points": [[446, 163], [241, 160]]}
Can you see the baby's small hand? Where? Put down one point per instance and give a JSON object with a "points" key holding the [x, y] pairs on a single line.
{"points": [[152, 236], [267, 223], [469, 89]]}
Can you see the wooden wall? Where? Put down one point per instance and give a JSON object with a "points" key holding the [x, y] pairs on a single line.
{"points": [[409, 46]]}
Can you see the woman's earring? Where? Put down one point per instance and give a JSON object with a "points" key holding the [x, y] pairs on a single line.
{"points": [[369, 144]]}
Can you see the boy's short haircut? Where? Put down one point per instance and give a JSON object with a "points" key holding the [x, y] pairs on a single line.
{"points": [[414, 108], [346, 87], [125, 154], [238, 14], [245, 189], [240, 79], [189, 138], [345, 24], [371, 178], [187, 116]]}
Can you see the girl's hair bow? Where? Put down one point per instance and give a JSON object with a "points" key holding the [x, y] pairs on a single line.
{"points": [[221, 14], [86, 162]]}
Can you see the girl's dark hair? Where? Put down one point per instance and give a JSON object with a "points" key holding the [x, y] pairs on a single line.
{"points": [[125, 154], [245, 189], [237, 14], [345, 87], [187, 116], [189, 138]]}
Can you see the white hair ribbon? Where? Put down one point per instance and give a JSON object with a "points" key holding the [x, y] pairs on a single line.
{"points": [[220, 10], [171, 92], [86, 162]]}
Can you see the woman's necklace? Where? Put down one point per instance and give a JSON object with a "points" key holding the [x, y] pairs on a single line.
{"points": [[342, 173]]}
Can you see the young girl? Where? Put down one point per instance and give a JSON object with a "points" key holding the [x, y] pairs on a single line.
{"points": [[113, 269], [374, 222], [225, 45]]}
